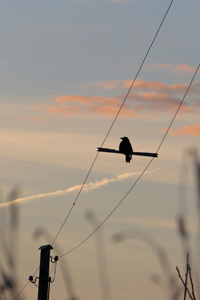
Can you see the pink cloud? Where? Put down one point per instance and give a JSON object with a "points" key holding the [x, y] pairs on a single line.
{"points": [[158, 102], [184, 69], [159, 86], [181, 69], [141, 85], [193, 130], [146, 96], [153, 94], [155, 101], [71, 105]]}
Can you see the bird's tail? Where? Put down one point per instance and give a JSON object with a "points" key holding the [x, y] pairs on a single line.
{"points": [[128, 158]]}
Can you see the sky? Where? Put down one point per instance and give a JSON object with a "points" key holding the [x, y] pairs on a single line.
{"points": [[66, 67]]}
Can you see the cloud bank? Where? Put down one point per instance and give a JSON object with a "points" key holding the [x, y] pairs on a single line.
{"points": [[192, 130], [146, 96], [79, 105]]}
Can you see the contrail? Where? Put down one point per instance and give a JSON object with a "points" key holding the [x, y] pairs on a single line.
{"points": [[88, 187]]}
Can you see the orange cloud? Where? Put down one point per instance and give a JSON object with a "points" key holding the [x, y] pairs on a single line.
{"points": [[158, 101], [155, 94], [184, 69], [159, 86], [145, 96], [193, 130], [141, 85], [71, 105]]}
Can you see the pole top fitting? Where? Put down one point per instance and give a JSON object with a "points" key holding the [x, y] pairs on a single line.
{"points": [[46, 247]]}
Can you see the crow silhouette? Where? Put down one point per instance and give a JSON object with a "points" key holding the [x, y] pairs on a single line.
{"points": [[126, 148]]}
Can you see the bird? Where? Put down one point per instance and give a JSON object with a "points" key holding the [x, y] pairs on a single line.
{"points": [[126, 148]]}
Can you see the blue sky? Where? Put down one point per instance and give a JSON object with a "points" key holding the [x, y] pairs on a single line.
{"points": [[66, 67]]}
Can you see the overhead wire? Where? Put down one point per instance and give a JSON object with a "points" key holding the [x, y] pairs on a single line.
{"points": [[180, 104], [112, 124], [142, 173], [19, 293], [25, 285], [109, 215], [106, 136]]}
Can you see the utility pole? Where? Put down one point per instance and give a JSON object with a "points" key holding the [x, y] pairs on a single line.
{"points": [[44, 280]]}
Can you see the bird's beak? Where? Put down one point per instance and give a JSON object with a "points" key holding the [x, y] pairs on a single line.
{"points": [[121, 138]]}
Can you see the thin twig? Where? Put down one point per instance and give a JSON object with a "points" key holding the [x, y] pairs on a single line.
{"points": [[184, 284], [186, 276], [191, 281]]}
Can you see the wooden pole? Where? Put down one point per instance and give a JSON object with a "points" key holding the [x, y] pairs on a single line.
{"points": [[44, 280]]}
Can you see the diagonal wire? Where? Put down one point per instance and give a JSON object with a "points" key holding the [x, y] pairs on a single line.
{"points": [[136, 76], [125, 98], [180, 104], [115, 208], [67, 216], [134, 184], [109, 215], [94, 161]]}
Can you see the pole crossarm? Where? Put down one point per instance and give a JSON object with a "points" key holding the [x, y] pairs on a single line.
{"points": [[133, 153]]}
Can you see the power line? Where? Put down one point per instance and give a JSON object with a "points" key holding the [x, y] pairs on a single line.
{"points": [[128, 192], [76, 198], [136, 76], [25, 285], [21, 290], [125, 98], [92, 165], [110, 212], [195, 73]]}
